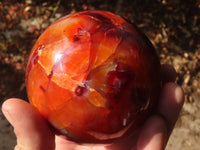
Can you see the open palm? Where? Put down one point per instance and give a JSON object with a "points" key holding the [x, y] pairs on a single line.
{"points": [[34, 133]]}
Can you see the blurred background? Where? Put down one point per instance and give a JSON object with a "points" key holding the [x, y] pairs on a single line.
{"points": [[173, 26]]}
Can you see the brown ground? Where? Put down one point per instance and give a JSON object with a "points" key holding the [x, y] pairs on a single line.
{"points": [[173, 26]]}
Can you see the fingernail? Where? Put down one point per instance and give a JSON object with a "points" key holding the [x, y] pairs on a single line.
{"points": [[179, 94], [5, 110]]}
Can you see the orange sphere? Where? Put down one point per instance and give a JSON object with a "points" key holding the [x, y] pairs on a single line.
{"points": [[94, 76]]}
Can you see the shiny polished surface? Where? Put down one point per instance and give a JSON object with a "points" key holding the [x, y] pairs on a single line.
{"points": [[93, 76]]}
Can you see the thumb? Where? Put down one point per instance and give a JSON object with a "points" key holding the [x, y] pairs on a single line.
{"points": [[32, 131]]}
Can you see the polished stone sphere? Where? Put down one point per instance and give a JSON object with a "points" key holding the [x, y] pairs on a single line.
{"points": [[94, 76]]}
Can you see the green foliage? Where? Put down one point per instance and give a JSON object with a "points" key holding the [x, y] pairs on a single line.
{"points": [[3, 46], [11, 40]]}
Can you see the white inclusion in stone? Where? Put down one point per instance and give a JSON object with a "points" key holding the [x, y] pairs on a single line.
{"points": [[61, 67], [124, 122], [58, 58]]}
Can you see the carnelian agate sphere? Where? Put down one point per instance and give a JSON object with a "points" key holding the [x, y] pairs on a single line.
{"points": [[93, 76]]}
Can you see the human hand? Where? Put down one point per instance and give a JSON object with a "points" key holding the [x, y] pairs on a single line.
{"points": [[34, 133]]}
